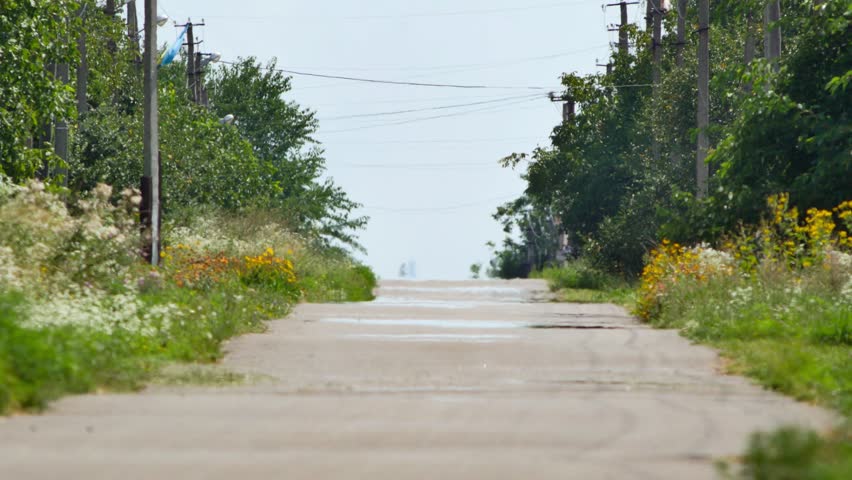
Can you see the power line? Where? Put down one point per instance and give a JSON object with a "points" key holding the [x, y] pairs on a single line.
{"points": [[418, 165], [442, 209], [408, 100], [448, 141], [395, 82], [403, 122], [455, 68], [444, 107], [410, 15]]}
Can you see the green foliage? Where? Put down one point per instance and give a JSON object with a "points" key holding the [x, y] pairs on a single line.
{"points": [[280, 132], [622, 170], [33, 35], [795, 454], [577, 274], [78, 311], [510, 262], [475, 271]]}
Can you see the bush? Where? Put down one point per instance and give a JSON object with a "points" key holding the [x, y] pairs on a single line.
{"points": [[795, 454], [576, 274], [777, 299], [79, 311]]}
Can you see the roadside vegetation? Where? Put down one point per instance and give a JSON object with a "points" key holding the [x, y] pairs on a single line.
{"points": [[759, 265], [578, 282], [250, 225]]}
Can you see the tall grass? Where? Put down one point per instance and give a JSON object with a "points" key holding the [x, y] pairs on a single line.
{"points": [[80, 311]]}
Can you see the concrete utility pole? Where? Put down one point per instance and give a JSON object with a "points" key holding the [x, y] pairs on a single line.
{"points": [[60, 128], [682, 5], [701, 168], [150, 208], [749, 40], [82, 69], [656, 39], [772, 36], [201, 88], [133, 32], [110, 11], [649, 15], [657, 52]]}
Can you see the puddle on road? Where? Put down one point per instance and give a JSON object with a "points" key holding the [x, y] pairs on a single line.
{"points": [[404, 302], [488, 290], [425, 322], [574, 326], [429, 338]]}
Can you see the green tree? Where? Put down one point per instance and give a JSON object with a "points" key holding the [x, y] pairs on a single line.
{"points": [[33, 34], [280, 132]]}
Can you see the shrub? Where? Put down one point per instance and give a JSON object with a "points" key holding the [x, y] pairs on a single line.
{"points": [[576, 274]]}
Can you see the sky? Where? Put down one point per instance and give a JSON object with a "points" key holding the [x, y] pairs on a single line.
{"points": [[429, 180]]}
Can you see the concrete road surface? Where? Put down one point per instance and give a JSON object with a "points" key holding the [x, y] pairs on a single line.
{"points": [[434, 380]]}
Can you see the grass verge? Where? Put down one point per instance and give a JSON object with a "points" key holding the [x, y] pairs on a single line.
{"points": [[578, 282], [80, 312]]}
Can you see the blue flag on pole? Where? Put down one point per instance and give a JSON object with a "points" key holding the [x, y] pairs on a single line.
{"points": [[170, 54]]}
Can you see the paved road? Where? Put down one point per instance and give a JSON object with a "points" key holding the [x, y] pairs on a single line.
{"points": [[465, 380]]}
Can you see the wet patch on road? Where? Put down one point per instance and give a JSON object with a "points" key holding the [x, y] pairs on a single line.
{"points": [[424, 322], [429, 338]]}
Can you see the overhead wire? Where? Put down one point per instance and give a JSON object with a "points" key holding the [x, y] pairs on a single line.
{"points": [[396, 82], [441, 209], [454, 68], [412, 15], [421, 119], [443, 107]]}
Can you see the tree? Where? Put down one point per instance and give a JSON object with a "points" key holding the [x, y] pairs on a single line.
{"points": [[33, 35], [280, 132]]}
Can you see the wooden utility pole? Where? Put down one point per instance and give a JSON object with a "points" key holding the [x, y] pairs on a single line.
{"points": [[772, 35], [191, 67], [150, 208], [682, 5], [701, 168], [623, 39], [622, 30], [568, 107]]}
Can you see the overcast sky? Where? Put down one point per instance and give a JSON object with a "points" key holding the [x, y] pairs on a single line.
{"points": [[430, 185]]}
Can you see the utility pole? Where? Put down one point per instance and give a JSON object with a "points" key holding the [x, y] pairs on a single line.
{"points": [[657, 52], [568, 107], [622, 27], [682, 5], [191, 70], [194, 77], [772, 36], [133, 32], [607, 65], [60, 132], [656, 39], [649, 15], [202, 88], [150, 208], [701, 168], [110, 11], [82, 69]]}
